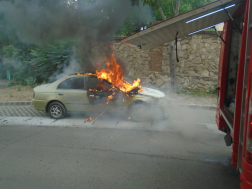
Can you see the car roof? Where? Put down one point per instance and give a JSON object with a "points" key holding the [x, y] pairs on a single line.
{"points": [[84, 75], [81, 74]]}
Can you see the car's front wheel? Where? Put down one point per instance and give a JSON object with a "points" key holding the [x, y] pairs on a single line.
{"points": [[138, 111], [57, 110], [141, 111]]}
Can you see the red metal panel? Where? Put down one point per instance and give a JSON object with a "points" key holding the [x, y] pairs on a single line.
{"points": [[239, 89], [241, 61], [235, 154], [246, 175], [223, 63]]}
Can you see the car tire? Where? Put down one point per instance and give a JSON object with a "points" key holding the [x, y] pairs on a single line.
{"points": [[138, 111], [57, 110]]}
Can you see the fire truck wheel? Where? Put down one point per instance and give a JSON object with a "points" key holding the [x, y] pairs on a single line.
{"points": [[57, 110], [138, 111]]}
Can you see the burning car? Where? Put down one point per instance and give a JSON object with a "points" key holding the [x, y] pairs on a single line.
{"points": [[100, 91], [86, 92]]}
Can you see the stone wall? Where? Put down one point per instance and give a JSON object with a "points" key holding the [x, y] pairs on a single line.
{"points": [[197, 67]]}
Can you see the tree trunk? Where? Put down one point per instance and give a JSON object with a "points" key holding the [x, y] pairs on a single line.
{"points": [[162, 13]]}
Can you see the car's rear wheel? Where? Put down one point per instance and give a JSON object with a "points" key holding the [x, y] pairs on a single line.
{"points": [[57, 110]]}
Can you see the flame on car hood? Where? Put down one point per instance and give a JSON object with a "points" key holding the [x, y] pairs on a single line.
{"points": [[113, 73]]}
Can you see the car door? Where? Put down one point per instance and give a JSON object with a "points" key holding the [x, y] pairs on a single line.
{"points": [[72, 93], [97, 93]]}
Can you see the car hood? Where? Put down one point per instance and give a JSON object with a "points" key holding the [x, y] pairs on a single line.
{"points": [[152, 93]]}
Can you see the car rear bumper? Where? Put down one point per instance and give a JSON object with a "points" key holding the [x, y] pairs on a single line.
{"points": [[39, 104]]}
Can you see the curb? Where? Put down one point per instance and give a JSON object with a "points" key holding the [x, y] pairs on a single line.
{"points": [[17, 103], [27, 103]]}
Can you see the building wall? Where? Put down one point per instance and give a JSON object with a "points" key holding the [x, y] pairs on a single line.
{"points": [[197, 67]]}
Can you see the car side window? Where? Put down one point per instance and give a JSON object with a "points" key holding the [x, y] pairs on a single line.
{"points": [[93, 82], [72, 83]]}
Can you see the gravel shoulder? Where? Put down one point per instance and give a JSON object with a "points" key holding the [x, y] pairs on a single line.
{"points": [[16, 93], [210, 100]]}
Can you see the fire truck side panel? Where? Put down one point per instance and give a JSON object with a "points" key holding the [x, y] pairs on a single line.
{"points": [[246, 49], [241, 91], [248, 89], [223, 63], [235, 133], [246, 174]]}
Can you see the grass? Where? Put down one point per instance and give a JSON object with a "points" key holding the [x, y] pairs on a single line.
{"points": [[197, 93]]}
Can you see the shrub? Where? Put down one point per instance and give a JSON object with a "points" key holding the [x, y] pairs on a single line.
{"points": [[31, 81], [32, 64]]}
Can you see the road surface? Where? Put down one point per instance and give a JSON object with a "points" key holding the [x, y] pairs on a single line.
{"points": [[163, 155]]}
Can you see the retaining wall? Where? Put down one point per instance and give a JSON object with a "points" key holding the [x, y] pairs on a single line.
{"points": [[197, 67]]}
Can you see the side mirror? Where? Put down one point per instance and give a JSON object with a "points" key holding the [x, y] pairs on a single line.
{"points": [[113, 90]]}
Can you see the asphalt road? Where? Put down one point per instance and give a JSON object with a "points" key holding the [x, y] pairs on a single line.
{"points": [[72, 157]]}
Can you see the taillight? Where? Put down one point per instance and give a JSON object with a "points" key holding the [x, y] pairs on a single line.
{"points": [[248, 153], [33, 94]]}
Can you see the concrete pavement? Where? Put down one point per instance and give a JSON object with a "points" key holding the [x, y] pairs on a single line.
{"points": [[158, 125], [20, 111]]}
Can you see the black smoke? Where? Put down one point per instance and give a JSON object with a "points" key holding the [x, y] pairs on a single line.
{"points": [[86, 22]]}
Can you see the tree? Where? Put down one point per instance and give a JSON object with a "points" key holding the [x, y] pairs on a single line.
{"points": [[166, 7], [138, 17], [45, 22]]}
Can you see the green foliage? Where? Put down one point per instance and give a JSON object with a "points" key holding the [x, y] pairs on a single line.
{"points": [[3, 74], [32, 64], [31, 81], [50, 61], [138, 17], [9, 51], [7, 32], [185, 5]]}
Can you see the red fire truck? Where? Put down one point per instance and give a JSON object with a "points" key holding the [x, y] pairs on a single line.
{"points": [[234, 104], [234, 99]]}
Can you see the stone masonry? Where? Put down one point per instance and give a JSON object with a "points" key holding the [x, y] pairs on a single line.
{"points": [[197, 67], [156, 57]]}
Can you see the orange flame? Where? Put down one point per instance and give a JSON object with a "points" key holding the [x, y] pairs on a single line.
{"points": [[93, 90], [114, 74], [109, 98], [89, 119]]}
